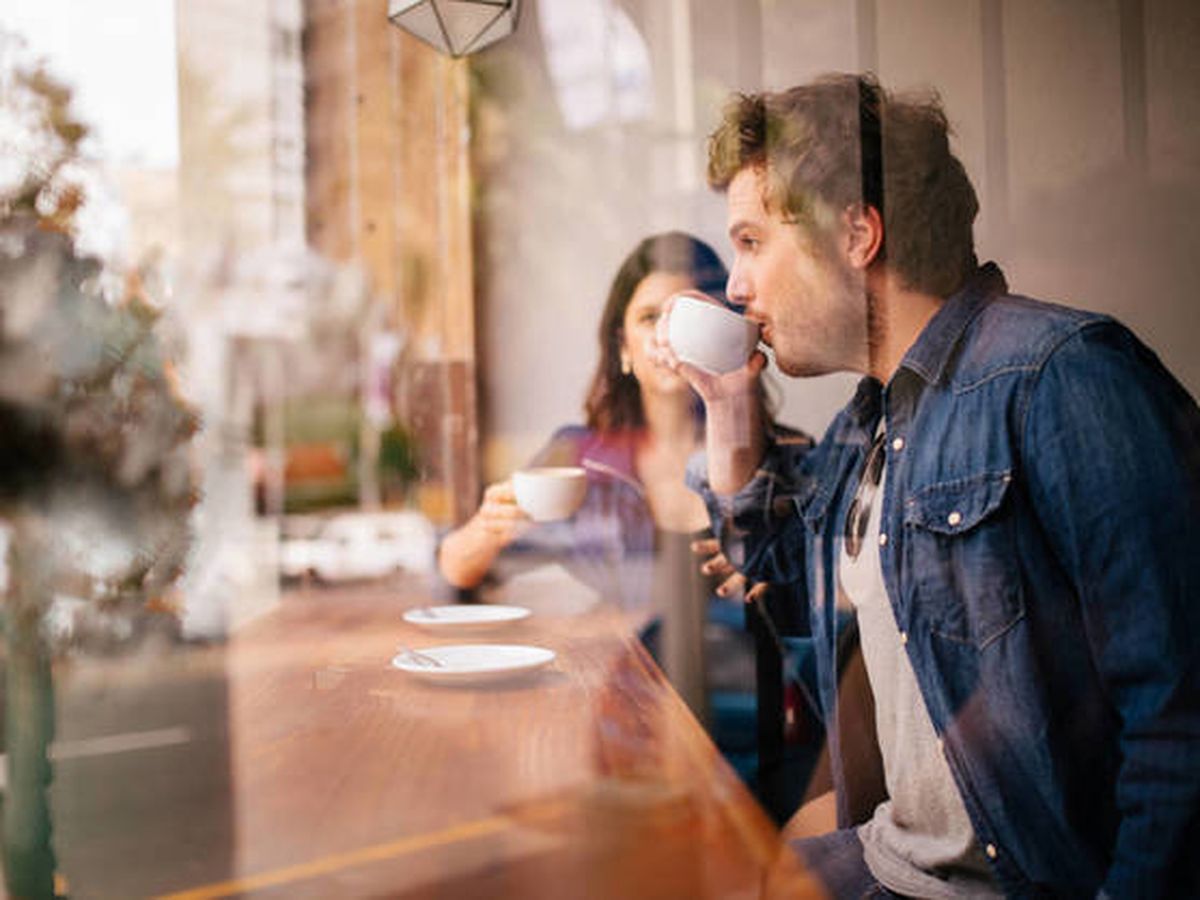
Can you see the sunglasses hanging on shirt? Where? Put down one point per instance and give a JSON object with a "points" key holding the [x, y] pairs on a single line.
{"points": [[859, 514]]}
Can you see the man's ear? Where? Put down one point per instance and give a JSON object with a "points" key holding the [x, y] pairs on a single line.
{"points": [[863, 234]]}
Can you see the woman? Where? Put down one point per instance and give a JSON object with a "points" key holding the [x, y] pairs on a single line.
{"points": [[633, 540], [643, 422]]}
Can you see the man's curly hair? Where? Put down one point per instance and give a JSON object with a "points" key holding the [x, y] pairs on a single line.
{"points": [[843, 140]]}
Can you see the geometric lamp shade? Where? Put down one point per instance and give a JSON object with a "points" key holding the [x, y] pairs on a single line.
{"points": [[455, 27]]}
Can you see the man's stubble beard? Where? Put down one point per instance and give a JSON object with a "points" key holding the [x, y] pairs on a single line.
{"points": [[864, 327]]}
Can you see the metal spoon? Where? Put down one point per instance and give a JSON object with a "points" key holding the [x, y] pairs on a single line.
{"points": [[421, 659]]}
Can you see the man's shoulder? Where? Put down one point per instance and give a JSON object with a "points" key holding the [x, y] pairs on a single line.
{"points": [[1014, 333]]}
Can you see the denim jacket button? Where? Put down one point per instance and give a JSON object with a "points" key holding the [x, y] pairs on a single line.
{"points": [[883, 540], [990, 850], [898, 444], [904, 637], [954, 518]]}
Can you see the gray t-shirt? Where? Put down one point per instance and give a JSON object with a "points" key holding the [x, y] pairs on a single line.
{"points": [[920, 841]]}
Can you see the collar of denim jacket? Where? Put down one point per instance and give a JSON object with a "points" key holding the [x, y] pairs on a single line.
{"points": [[930, 354], [867, 403]]}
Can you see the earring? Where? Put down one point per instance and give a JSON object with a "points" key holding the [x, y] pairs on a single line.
{"points": [[626, 365]]}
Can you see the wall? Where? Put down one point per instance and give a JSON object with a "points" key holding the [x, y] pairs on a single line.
{"points": [[1079, 122]]}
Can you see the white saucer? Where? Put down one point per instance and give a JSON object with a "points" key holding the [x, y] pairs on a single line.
{"points": [[463, 617], [474, 663]]}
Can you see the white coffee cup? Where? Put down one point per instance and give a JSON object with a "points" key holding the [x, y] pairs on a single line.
{"points": [[710, 336], [550, 492]]}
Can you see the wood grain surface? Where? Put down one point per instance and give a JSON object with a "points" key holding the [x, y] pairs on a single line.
{"points": [[348, 778]]}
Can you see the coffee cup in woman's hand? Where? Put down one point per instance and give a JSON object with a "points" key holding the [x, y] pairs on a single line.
{"points": [[550, 492]]}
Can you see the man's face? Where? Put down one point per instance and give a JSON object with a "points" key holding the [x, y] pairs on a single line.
{"points": [[809, 301]]}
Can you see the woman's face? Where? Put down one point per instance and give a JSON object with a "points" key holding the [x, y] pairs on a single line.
{"points": [[641, 315]]}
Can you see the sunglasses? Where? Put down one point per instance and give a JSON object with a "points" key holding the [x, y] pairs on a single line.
{"points": [[859, 514]]}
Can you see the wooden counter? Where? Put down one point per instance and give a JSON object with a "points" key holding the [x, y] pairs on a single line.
{"points": [[348, 778]]}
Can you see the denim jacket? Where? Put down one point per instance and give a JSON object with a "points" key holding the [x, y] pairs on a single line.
{"points": [[1042, 497]]}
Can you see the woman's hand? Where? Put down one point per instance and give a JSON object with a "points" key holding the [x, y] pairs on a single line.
{"points": [[717, 565], [468, 552], [498, 515]]}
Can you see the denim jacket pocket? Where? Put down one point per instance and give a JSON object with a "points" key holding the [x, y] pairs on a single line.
{"points": [[960, 550]]}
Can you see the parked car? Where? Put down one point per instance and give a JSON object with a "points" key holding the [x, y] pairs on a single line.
{"points": [[360, 545]]}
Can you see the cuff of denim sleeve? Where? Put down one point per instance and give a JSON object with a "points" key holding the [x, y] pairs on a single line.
{"points": [[751, 500]]}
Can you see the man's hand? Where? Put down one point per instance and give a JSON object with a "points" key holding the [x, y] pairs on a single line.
{"points": [[733, 582], [735, 437]]}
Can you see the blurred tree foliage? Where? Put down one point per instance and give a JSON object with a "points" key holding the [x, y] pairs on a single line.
{"points": [[95, 481], [399, 460]]}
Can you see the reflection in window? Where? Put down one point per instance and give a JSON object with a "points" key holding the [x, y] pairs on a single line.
{"points": [[598, 61]]}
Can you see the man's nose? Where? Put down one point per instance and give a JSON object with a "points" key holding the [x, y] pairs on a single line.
{"points": [[737, 289]]}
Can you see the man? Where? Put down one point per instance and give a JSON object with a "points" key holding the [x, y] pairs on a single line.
{"points": [[1007, 504]]}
